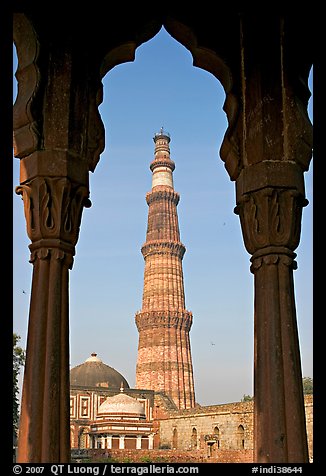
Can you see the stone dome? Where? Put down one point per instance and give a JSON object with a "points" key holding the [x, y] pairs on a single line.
{"points": [[121, 405], [94, 373]]}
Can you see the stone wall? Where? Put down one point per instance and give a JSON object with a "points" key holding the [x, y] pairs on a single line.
{"points": [[216, 437], [233, 456], [222, 430], [309, 423], [171, 456], [229, 425]]}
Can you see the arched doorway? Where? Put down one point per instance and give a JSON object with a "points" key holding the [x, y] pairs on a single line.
{"points": [[240, 438], [174, 438], [44, 185], [194, 441], [216, 434]]}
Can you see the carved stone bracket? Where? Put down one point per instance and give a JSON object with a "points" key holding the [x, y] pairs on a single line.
{"points": [[57, 92], [53, 209], [230, 151], [271, 217], [27, 134], [95, 128]]}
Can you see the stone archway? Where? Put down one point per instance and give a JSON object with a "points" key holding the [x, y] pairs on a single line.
{"points": [[240, 437], [266, 149], [175, 438]]}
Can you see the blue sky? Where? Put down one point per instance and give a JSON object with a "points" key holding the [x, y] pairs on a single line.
{"points": [[162, 88]]}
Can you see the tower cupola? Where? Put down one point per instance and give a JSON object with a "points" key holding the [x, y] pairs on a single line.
{"points": [[162, 165]]}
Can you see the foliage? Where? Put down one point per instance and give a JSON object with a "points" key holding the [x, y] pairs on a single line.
{"points": [[247, 398], [18, 362], [307, 383], [145, 459], [308, 386]]}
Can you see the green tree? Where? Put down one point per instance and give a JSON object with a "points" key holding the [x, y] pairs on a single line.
{"points": [[308, 386], [18, 362], [247, 398]]}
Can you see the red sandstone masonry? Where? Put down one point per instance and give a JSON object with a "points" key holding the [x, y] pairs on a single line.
{"points": [[164, 357], [173, 456]]}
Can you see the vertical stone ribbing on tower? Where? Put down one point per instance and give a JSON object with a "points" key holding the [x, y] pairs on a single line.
{"points": [[164, 357]]}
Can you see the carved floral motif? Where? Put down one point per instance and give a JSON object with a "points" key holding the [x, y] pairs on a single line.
{"points": [[53, 208], [271, 217]]}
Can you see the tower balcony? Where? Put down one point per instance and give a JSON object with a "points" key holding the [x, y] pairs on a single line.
{"points": [[163, 247], [162, 134], [178, 319]]}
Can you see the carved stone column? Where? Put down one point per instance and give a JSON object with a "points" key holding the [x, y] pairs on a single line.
{"points": [[274, 141], [53, 208], [58, 136], [270, 221]]}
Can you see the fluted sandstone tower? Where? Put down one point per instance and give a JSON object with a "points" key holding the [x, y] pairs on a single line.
{"points": [[164, 357]]}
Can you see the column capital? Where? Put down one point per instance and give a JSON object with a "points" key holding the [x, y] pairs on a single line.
{"points": [[53, 208], [271, 217]]}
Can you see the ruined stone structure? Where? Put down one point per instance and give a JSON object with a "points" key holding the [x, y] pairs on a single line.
{"points": [[223, 432], [263, 62], [137, 424], [164, 357]]}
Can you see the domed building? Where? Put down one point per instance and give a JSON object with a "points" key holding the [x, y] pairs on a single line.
{"points": [[94, 373], [107, 417], [100, 401], [121, 424], [122, 407]]}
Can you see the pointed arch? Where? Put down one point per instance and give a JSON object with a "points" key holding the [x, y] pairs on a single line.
{"points": [[26, 121], [204, 57], [175, 438], [240, 437], [216, 433], [194, 442]]}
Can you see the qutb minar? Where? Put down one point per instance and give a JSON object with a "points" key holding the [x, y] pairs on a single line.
{"points": [[164, 357]]}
